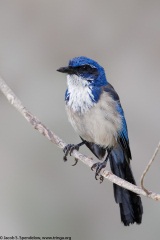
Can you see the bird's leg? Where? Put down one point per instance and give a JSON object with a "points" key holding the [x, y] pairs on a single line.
{"points": [[99, 166], [68, 149]]}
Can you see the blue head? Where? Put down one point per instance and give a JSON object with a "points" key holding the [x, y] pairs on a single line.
{"points": [[88, 71]]}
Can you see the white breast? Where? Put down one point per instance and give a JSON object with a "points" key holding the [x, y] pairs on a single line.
{"points": [[80, 99]]}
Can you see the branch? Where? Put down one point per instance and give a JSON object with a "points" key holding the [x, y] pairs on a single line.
{"points": [[36, 123], [148, 167]]}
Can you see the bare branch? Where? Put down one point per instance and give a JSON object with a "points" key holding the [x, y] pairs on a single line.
{"points": [[36, 123], [148, 167]]}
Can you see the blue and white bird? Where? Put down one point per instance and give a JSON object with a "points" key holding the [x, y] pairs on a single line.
{"points": [[95, 112]]}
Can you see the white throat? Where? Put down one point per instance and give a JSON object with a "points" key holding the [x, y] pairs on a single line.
{"points": [[80, 94]]}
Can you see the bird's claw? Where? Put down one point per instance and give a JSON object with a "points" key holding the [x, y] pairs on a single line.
{"points": [[98, 166], [68, 149], [101, 178], [76, 161]]}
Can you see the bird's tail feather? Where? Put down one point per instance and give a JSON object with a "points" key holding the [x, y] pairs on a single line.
{"points": [[130, 204]]}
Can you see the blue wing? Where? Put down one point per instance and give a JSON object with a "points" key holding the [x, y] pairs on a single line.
{"points": [[123, 134]]}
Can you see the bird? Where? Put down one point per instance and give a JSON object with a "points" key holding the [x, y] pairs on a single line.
{"points": [[94, 110]]}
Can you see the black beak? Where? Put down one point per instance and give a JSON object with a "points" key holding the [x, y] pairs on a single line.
{"points": [[68, 70]]}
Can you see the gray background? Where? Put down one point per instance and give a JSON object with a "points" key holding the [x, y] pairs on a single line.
{"points": [[40, 195]]}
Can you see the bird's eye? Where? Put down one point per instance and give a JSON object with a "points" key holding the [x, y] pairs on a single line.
{"points": [[84, 67]]}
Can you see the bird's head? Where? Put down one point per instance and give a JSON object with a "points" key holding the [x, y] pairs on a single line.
{"points": [[84, 71]]}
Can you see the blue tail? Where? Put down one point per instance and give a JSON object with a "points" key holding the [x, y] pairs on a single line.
{"points": [[130, 204]]}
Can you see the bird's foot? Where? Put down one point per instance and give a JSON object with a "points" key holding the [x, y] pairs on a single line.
{"points": [[99, 166], [68, 150]]}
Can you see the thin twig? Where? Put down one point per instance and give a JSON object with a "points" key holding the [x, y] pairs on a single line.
{"points": [[148, 167], [36, 123]]}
